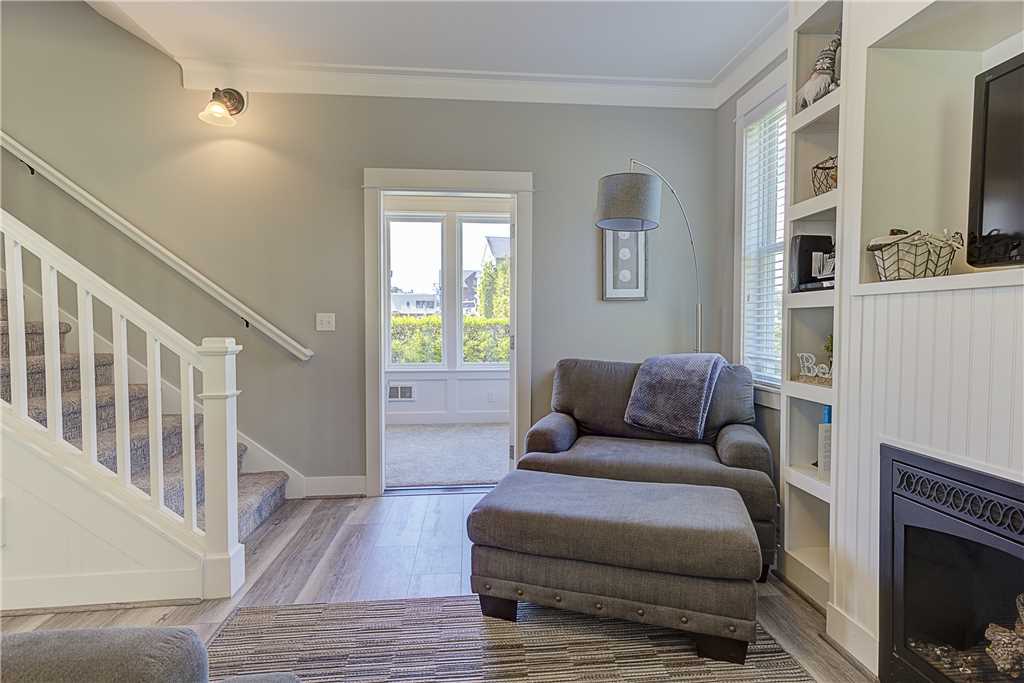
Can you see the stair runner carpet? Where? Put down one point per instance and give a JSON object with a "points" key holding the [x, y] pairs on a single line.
{"points": [[259, 493]]}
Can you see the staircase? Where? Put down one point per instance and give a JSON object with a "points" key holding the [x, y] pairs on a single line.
{"points": [[113, 433], [259, 493]]}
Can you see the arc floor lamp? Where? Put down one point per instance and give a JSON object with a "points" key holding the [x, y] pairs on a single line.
{"points": [[631, 202]]}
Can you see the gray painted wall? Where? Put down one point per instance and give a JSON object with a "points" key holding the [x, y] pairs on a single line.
{"points": [[272, 210]]}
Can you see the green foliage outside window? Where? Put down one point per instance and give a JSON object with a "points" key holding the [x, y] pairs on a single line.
{"points": [[492, 293], [485, 334], [417, 339]]}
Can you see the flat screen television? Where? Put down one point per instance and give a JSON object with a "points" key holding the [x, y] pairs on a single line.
{"points": [[995, 229]]}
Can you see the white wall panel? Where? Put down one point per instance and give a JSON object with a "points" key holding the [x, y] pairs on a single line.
{"points": [[482, 395], [939, 373], [450, 397]]}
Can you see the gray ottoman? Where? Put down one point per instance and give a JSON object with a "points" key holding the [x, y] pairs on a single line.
{"points": [[674, 555]]}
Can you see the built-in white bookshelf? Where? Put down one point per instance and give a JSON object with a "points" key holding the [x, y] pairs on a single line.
{"points": [[808, 317]]}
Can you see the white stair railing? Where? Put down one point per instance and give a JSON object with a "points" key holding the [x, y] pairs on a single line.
{"points": [[83, 197], [214, 360]]}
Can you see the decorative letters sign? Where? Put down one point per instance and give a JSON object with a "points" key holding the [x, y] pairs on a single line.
{"points": [[809, 367]]}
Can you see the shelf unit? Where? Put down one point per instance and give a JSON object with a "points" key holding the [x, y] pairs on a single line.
{"points": [[808, 317]]}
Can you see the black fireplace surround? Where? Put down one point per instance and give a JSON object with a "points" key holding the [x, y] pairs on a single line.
{"points": [[951, 567]]}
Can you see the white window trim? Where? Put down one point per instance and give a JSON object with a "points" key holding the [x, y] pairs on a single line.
{"points": [[766, 93], [413, 217]]}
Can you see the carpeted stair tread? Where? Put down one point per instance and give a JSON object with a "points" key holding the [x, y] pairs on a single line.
{"points": [[34, 327], [34, 337], [174, 486], [72, 404], [68, 361], [259, 495], [106, 443], [71, 376]]}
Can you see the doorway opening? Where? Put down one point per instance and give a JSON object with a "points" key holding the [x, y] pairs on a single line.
{"points": [[447, 334]]}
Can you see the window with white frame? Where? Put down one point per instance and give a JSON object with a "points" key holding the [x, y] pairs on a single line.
{"points": [[761, 132], [449, 289]]}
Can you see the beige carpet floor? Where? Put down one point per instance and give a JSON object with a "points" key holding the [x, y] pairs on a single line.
{"points": [[445, 455], [446, 639]]}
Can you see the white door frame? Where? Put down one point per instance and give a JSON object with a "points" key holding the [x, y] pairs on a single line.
{"points": [[377, 181]]}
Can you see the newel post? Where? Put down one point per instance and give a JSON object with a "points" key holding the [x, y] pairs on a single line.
{"points": [[224, 571]]}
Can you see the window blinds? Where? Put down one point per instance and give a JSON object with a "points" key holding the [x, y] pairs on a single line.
{"points": [[764, 192]]}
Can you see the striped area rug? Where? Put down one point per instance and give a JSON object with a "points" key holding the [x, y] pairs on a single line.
{"points": [[446, 639]]}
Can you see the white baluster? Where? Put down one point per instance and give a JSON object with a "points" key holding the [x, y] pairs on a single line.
{"points": [[51, 352], [16, 325], [122, 417], [188, 442], [156, 430], [225, 564], [87, 372]]}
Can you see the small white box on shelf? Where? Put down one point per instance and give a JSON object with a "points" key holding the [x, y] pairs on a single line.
{"points": [[824, 451]]}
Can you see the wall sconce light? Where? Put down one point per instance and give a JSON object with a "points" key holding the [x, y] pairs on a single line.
{"points": [[224, 105]]}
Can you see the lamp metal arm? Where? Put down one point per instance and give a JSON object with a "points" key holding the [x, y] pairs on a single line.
{"points": [[633, 163]]}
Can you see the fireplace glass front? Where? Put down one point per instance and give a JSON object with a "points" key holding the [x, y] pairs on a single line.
{"points": [[962, 607]]}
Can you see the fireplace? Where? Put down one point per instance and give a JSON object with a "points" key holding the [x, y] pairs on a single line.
{"points": [[951, 572]]}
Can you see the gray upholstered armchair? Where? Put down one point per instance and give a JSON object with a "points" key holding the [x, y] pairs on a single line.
{"points": [[585, 435]]}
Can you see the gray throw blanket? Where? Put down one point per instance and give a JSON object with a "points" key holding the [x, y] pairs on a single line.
{"points": [[672, 394]]}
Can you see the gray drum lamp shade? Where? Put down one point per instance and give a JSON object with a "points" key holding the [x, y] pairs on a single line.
{"points": [[628, 202]]}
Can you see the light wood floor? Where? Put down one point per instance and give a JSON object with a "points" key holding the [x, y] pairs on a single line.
{"points": [[342, 550]]}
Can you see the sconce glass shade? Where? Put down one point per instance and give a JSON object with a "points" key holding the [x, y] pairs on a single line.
{"points": [[628, 202], [216, 114], [223, 107]]}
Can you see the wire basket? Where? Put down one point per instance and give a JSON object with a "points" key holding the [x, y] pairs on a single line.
{"points": [[825, 175], [905, 256]]}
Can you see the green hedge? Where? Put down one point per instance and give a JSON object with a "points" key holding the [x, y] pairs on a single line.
{"points": [[417, 339]]}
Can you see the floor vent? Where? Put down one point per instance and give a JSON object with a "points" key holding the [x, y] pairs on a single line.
{"points": [[400, 392]]}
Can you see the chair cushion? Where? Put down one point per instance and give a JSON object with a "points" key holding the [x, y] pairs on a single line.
{"points": [[670, 528], [658, 461], [596, 392], [108, 654]]}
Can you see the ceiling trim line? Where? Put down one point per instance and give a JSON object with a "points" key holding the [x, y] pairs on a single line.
{"points": [[318, 79], [204, 75]]}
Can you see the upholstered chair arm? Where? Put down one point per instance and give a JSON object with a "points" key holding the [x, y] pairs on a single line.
{"points": [[741, 445], [553, 433]]}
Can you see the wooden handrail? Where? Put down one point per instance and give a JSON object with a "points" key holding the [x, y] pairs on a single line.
{"points": [[251, 317]]}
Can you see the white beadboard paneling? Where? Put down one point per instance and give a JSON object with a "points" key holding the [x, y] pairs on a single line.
{"points": [[979, 387], [1000, 391], [936, 372], [942, 352], [925, 379], [956, 440], [1017, 395]]}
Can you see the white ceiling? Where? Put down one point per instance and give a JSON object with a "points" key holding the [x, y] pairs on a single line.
{"points": [[608, 43]]}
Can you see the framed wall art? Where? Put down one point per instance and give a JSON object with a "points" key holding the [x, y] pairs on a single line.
{"points": [[625, 266]]}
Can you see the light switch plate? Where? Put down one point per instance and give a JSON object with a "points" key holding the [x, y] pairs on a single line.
{"points": [[325, 322]]}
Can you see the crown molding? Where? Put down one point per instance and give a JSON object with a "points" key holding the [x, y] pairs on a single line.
{"points": [[342, 79], [116, 14], [769, 44], [444, 85]]}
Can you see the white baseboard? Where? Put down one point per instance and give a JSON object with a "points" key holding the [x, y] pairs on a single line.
{"points": [[36, 592], [259, 459], [860, 643], [335, 486]]}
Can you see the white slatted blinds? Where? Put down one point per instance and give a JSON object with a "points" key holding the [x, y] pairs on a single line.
{"points": [[764, 193]]}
